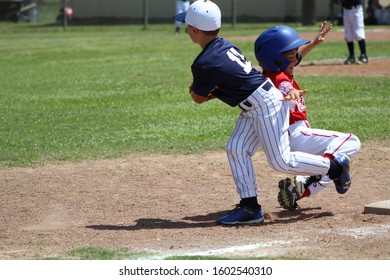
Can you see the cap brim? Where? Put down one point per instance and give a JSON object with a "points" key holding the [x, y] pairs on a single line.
{"points": [[181, 17]]}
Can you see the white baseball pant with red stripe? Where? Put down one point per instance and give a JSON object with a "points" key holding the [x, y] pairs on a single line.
{"points": [[265, 123], [322, 142]]}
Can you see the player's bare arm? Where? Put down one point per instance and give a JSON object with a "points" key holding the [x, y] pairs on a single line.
{"points": [[318, 39], [294, 94], [198, 98]]}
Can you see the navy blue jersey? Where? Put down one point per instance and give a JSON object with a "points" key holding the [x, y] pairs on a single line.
{"points": [[222, 70], [349, 3]]}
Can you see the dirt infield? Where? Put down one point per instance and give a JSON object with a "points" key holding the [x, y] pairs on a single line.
{"points": [[167, 205]]}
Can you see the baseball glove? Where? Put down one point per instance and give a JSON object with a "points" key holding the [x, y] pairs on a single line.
{"points": [[288, 195]]}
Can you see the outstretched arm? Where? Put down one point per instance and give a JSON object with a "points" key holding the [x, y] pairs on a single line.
{"points": [[324, 30], [294, 94]]}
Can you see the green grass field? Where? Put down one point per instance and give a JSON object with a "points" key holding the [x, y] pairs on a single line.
{"points": [[107, 91]]}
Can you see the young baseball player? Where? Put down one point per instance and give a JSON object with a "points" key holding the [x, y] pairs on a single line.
{"points": [[221, 71], [279, 50], [180, 6], [353, 20]]}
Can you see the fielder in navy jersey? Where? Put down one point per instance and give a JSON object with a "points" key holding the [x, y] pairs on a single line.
{"points": [[221, 71]]}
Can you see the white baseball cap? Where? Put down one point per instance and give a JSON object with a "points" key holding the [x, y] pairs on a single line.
{"points": [[203, 15]]}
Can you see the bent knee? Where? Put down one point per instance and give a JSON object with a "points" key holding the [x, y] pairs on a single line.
{"points": [[355, 145], [280, 165]]}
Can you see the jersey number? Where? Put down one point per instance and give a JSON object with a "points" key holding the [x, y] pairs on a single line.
{"points": [[234, 55]]}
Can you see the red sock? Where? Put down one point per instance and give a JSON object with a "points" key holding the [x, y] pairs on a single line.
{"points": [[329, 156], [305, 193]]}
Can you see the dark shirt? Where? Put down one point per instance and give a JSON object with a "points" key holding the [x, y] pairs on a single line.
{"points": [[348, 4], [222, 70]]}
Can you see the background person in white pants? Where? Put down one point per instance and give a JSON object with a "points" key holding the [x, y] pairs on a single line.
{"points": [[353, 19], [181, 6]]}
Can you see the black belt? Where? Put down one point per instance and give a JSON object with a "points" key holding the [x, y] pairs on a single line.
{"points": [[246, 103], [351, 7], [266, 86]]}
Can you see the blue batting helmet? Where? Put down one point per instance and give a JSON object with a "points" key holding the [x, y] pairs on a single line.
{"points": [[271, 44]]}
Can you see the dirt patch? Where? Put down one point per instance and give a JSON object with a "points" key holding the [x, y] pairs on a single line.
{"points": [[167, 205], [375, 68]]}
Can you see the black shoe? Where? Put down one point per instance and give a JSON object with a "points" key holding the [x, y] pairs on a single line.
{"points": [[303, 182], [349, 60], [344, 181], [242, 215], [363, 59]]}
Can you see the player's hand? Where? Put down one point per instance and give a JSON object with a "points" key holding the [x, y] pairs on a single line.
{"points": [[294, 94], [190, 88], [324, 30], [210, 96]]}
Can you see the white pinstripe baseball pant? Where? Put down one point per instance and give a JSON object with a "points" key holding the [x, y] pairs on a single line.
{"points": [[265, 123]]}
